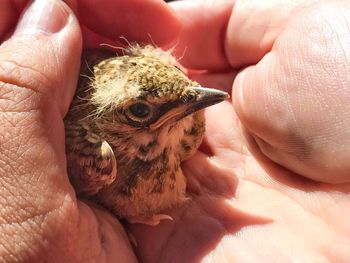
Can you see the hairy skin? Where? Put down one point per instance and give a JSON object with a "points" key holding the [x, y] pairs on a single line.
{"points": [[243, 204]]}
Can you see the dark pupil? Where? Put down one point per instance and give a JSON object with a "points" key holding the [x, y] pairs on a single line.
{"points": [[139, 110]]}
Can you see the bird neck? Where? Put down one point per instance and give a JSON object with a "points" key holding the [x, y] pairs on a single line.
{"points": [[155, 156]]}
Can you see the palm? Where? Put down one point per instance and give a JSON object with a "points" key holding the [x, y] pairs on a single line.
{"points": [[267, 213]]}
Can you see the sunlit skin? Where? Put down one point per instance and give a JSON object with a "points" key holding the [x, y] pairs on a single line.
{"points": [[290, 105]]}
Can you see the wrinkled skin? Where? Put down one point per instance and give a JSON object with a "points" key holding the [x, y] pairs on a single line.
{"points": [[271, 181]]}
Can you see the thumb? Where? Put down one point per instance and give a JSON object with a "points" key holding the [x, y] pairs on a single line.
{"points": [[294, 101], [43, 54], [39, 65], [40, 218], [265, 110]]}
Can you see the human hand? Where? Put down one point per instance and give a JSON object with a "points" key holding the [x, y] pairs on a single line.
{"points": [[41, 220], [269, 200], [287, 145]]}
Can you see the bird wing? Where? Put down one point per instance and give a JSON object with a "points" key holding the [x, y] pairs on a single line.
{"points": [[91, 162]]}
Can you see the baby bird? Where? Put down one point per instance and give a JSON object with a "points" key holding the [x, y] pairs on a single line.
{"points": [[129, 127]]}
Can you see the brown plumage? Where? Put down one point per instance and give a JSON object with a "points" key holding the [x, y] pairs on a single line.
{"points": [[131, 124]]}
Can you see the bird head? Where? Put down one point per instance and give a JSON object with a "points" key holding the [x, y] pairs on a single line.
{"points": [[143, 92]]}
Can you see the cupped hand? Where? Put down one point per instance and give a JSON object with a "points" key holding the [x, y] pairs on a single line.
{"points": [[41, 220], [284, 136]]}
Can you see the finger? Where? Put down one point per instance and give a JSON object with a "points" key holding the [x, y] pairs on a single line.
{"points": [[30, 57], [253, 28], [201, 40], [38, 68], [229, 33], [294, 101], [38, 71], [140, 21]]}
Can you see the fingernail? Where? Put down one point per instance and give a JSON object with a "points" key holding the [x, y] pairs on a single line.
{"points": [[43, 16]]}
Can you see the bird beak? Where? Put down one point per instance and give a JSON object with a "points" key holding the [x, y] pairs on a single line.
{"points": [[205, 97]]}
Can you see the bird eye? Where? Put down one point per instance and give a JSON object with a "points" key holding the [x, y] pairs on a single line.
{"points": [[140, 110]]}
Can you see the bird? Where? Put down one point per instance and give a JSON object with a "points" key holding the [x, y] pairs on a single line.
{"points": [[132, 122]]}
